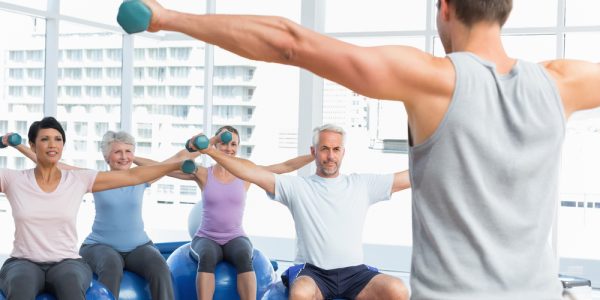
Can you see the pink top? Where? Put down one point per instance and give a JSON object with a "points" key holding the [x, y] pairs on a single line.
{"points": [[45, 223]]}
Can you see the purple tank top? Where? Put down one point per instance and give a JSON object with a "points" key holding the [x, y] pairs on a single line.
{"points": [[222, 209]]}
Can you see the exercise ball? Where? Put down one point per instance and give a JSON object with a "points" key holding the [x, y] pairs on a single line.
{"points": [[183, 268], [134, 287], [276, 291], [97, 291], [195, 219]]}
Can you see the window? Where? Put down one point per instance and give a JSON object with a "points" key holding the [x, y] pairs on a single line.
{"points": [[139, 54], [21, 126], [188, 190], [72, 73], [157, 53], [157, 73], [138, 91], [74, 55], [93, 91], [80, 146], [35, 73], [15, 91], [3, 162], [156, 91], [15, 73], [166, 188], [180, 53], [3, 126], [34, 91], [73, 91], [113, 73], [19, 163], [113, 91], [35, 55], [138, 73], [114, 54], [101, 165], [101, 128], [143, 147], [179, 72], [179, 91], [81, 128], [93, 73], [144, 130], [94, 54], [16, 56]]}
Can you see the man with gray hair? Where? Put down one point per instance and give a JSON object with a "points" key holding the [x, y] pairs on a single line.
{"points": [[329, 211]]}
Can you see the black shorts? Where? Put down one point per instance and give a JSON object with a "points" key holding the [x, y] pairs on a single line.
{"points": [[339, 283]]}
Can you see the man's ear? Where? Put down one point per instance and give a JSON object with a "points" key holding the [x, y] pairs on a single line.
{"points": [[444, 10]]}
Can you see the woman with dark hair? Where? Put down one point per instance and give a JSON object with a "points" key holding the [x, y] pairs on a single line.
{"points": [[220, 235], [45, 201], [118, 240]]}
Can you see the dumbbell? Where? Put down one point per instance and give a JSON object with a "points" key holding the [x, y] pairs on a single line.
{"points": [[134, 16], [14, 139], [201, 141], [188, 166]]}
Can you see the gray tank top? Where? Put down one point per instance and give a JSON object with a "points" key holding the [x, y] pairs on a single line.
{"points": [[485, 187]]}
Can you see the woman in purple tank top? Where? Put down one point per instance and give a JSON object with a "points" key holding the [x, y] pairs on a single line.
{"points": [[220, 235]]}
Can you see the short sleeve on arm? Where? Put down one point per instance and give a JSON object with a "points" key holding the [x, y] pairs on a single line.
{"points": [[88, 177], [284, 186], [380, 186]]}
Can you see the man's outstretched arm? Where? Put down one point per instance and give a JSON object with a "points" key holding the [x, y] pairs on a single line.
{"points": [[387, 72], [578, 83], [401, 181]]}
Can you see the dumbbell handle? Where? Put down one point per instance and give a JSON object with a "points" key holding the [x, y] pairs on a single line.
{"points": [[14, 139], [201, 142]]}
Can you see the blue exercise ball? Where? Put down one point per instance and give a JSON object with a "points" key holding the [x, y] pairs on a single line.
{"points": [[276, 291], [134, 287], [184, 269], [97, 291]]}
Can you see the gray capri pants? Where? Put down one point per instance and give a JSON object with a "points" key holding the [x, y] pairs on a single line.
{"points": [[145, 260], [238, 252], [22, 279]]}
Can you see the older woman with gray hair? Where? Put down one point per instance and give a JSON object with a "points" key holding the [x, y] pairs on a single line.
{"points": [[118, 241]]}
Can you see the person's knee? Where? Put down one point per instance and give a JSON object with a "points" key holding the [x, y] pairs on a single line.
{"points": [[112, 266], [396, 290], [388, 288], [158, 270], [207, 262], [304, 288], [242, 262]]}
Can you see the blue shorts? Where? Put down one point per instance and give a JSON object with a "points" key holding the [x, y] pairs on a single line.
{"points": [[335, 283]]}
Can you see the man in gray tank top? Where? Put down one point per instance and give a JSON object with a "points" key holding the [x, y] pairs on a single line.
{"points": [[486, 132]]}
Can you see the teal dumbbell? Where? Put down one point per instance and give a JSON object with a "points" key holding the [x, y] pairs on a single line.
{"points": [[14, 139], [134, 16], [188, 167], [201, 141], [226, 137]]}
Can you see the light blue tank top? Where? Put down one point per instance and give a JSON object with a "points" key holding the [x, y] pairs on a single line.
{"points": [[118, 222], [485, 187], [223, 206]]}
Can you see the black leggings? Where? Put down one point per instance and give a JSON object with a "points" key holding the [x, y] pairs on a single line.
{"points": [[67, 279], [238, 252]]}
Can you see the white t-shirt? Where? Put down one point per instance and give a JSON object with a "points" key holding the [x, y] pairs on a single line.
{"points": [[329, 214], [45, 223]]}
